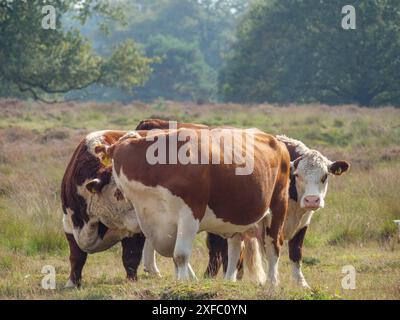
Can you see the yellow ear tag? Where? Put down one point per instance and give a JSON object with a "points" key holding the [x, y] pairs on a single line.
{"points": [[338, 171], [106, 161]]}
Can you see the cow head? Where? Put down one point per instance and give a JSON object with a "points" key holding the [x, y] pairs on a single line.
{"points": [[104, 186], [310, 174], [104, 198]]}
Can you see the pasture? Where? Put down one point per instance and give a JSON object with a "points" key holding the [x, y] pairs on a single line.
{"points": [[355, 228]]}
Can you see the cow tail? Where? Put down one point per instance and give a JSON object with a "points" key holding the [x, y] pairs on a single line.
{"points": [[252, 258]]}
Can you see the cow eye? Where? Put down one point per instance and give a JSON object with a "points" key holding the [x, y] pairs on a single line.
{"points": [[324, 178]]}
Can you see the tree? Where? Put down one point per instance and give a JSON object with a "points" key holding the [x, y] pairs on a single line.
{"points": [[43, 64], [207, 24], [181, 73], [297, 51]]}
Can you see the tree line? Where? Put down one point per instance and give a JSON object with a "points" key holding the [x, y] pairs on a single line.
{"points": [[276, 51]]}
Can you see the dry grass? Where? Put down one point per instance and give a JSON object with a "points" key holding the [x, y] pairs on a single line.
{"points": [[356, 228]]}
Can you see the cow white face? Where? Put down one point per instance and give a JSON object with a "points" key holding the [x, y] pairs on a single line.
{"points": [[311, 172], [106, 202]]}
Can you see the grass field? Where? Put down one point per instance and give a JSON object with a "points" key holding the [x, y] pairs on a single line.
{"points": [[355, 228]]}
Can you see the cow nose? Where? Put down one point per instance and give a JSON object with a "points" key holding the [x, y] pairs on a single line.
{"points": [[312, 201]]}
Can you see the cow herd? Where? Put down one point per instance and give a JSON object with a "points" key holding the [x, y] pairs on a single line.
{"points": [[155, 188]]}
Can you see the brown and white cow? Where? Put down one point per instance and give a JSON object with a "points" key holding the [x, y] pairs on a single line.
{"points": [[175, 201], [95, 217], [308, 187]]}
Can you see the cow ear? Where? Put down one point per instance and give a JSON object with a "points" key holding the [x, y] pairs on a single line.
{"points": [[337, 168], [94, 186], [294, 164]]}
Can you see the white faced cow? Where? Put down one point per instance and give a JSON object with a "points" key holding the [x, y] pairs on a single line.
{"points": [[95, 216], [309, 178]]}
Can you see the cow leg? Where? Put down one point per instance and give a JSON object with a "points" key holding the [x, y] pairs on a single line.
{"points": [[77, 259], [131, 254], [149, 257], [295, 255], [234, 249], [187, 229], [217, 253], [272, 254], [240, 269], [274, 237]]}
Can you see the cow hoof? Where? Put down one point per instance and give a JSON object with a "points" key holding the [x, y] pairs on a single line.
{"points": [[305, 286], [70, 285], [152, 273], [132, 278]]}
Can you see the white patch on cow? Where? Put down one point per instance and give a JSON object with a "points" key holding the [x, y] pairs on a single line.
{"points": [[268, 218], [157, 211], [187, 229], [234, 249], [273, 261], [70, 285], [165, 219], [149, 259], [298, 276], [68, 226], [113, 213], [95, 139], [130, 134]]}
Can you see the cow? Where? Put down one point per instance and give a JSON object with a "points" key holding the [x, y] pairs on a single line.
{"points": [[308, 187], [95, 217], [176, 201]]}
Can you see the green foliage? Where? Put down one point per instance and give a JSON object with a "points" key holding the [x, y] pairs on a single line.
{"points": [[200, 33], [297, 51], [35, 62], [181, 73]]}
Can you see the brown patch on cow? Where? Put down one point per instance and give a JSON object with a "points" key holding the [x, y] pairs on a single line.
{"points": [[82, 166], [296, 246], [119, 195], [218, 255], [132, 254], [77, 259]]}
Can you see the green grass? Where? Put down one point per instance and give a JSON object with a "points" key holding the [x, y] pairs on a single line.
{"points": [[355, 228]]}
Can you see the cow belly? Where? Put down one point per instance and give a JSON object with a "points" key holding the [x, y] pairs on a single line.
{"points": [[157, 210], [213, 224]]}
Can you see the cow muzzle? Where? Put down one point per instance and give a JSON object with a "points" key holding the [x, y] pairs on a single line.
{"points": [[312, 202]]}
